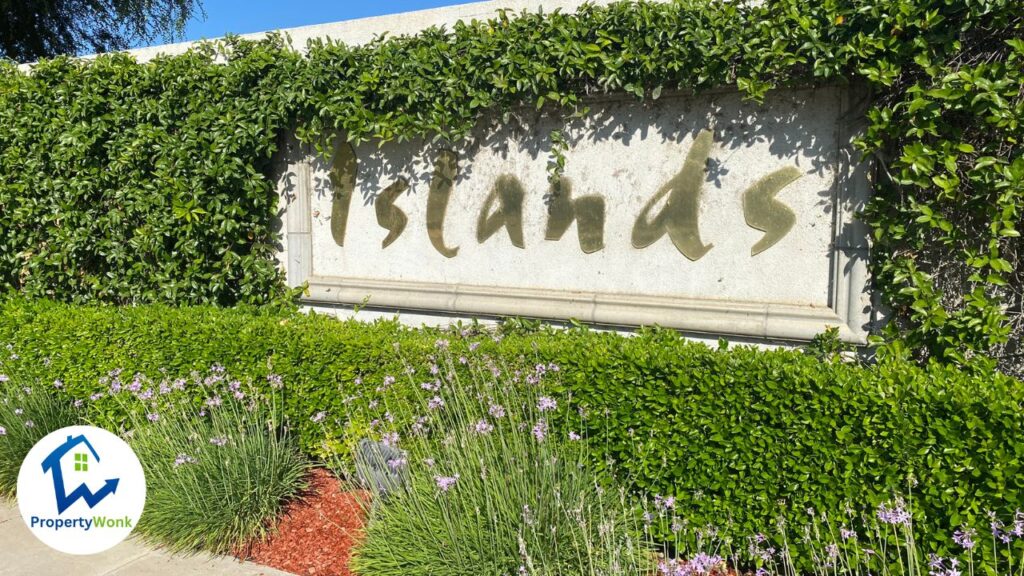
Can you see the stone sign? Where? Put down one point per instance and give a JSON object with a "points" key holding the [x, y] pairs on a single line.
{"points": [[708, 214]]}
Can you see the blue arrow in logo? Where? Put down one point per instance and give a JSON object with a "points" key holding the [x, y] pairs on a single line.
{"points": [[64, 500]]}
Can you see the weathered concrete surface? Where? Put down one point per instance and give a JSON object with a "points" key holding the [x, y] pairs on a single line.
{"points": [[21, 553], [624, 153]]}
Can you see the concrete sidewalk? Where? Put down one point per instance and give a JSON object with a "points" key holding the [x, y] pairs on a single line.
{"points": [[22, 554]]}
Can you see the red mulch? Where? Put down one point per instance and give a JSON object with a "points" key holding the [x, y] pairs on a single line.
{"points": [[317, 533]]}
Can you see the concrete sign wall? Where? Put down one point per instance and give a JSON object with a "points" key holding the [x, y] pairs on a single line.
{"points": [[707, 214]]}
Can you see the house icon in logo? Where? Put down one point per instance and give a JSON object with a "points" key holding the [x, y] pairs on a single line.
{"points": [[52, 464]]}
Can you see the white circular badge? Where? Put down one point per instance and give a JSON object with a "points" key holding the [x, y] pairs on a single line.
{"points": [[81, 490]]}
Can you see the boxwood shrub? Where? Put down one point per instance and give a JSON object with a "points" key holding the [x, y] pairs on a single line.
{"points": [[738, 435]]}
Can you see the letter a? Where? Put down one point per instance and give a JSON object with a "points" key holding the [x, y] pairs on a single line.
{"points": [[508, 194]]}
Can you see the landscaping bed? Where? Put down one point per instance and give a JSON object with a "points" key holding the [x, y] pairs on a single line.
{"points": [[317, 533], [734, 433], [699, 439]]}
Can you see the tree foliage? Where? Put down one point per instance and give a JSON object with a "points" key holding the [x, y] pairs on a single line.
{"points": [[34, 29]]}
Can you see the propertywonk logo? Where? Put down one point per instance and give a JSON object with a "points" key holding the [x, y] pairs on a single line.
{"points": [[81, 490]]}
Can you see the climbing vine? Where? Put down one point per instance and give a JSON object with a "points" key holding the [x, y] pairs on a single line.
{"points": [[129, 182]]}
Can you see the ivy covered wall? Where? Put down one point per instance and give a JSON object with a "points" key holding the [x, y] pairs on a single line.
{"points": [[125, 182]]}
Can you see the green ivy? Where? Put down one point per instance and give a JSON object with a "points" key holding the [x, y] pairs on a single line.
{"points": [[126, 182]]}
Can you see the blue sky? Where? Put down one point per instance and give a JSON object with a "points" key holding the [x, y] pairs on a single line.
{"points": [[228, 16]]}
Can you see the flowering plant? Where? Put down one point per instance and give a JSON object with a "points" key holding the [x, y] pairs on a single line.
{"points": [[494, 486]]}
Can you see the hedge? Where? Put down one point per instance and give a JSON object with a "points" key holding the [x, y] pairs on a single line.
{"points": [[739, 435], [130, 182]]}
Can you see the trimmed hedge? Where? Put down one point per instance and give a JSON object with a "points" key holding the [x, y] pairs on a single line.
{"points": [[732, 433]]}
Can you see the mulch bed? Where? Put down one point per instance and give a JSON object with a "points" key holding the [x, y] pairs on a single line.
{"points": [[317, 533]]}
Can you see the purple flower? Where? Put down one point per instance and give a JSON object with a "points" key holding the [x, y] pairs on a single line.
{"points": [[135, 386], [238, 394], [664, 503], [219, 441], [390, 439], [18, 411], [833, 551], [58, 384], [434, 386], [497, 411], [540, 430], [319, 417], [445, 483], [275, 381], [429, 462], [397, 463], [896, 516], [700, 564], [483, 427], [704, 563], [3, 431], [546, 404], [178, 384], [214, 402], [183, 459], [148, 394], [964, 537], [473, 346], [152, 416], [95, 397], [30, 424], [847, 534], [463, 360], [4, 378], [435, 403], [441, 343], [574, 436], [420, 425]]}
